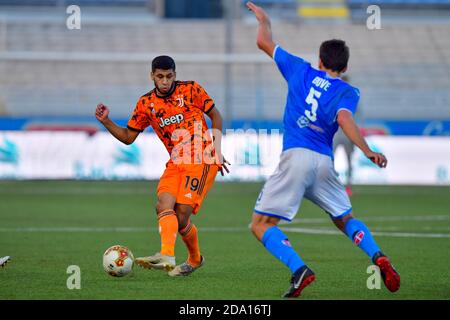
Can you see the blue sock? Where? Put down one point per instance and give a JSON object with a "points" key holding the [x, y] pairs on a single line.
{"points": [[361, 236], [278, 245]]}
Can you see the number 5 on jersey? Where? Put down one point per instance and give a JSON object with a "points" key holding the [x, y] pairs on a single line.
{"points": [[312, 101]]}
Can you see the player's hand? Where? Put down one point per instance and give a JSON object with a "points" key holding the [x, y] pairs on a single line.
{"points": [[222, 163], [101, 112], [378, 158], [259, 12]]}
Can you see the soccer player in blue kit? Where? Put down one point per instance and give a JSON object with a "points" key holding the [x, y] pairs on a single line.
{"points": [[318, 102]]}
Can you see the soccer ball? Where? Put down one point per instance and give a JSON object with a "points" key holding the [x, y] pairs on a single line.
{"points": [[118, 261]]}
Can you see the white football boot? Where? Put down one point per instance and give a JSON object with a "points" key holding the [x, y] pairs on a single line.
{"points": [[157, 261], [4, 260], [185, 269]]}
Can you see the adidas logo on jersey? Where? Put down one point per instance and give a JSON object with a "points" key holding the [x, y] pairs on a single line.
{"points": [[188, 195], [171, 120]]}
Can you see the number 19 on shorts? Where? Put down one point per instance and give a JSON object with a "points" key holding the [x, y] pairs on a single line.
{"points": [[191, 184]]}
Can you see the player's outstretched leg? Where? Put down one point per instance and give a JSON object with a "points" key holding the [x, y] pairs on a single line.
{"points": [[165, 259], [189, 234], [168, 229], [357, 231], [275, 241]]}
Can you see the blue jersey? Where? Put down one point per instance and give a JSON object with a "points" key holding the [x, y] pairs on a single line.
{"points": [[313, 102]]}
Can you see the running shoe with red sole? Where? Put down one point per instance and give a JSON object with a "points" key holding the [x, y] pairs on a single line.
{"points": [[390, 276], [299, 281]]}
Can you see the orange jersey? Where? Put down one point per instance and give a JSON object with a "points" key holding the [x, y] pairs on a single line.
{"points": [[178, 121]]}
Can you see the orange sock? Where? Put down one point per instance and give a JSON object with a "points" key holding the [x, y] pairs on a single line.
{"points": [[168, 227], [190, 237]]}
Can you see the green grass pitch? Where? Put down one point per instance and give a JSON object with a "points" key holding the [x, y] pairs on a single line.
{"points": [[48, 226]]}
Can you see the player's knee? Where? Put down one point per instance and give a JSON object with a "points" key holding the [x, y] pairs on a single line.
{"points": [[260, 224], [341, 222], [183, 221], [161, 206], [158, 207], [183, 214], [166, 201], [258, 228], [254, 227], [257, 231], [183, 211]]}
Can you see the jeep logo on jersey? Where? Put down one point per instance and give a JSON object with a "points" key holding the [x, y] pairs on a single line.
{"points": [[171, 120]]}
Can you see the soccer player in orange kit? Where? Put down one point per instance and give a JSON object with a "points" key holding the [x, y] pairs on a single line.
{"points": [[175, 110]]}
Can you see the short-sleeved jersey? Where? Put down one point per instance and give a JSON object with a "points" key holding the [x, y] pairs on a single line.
{"points": [[313, 102], [178, 120]]}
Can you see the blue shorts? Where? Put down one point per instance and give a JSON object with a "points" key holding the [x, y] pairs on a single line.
{"points": [[303, 173]]}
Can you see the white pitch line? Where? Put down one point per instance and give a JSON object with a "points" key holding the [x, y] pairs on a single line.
{"points": [[378, 219], [375, 233], [119, 229], [411, 234], [430, 229], [416, 228], [214, 229], [76, 229], [410, 218], [147, 188], [88, 191]]}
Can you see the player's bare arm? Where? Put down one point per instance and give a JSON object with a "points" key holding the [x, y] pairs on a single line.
{"points": [[264, 38], [124, 135], [217, 126], [351, 130]]}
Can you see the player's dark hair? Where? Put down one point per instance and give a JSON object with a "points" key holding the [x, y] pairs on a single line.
{"points": [[163, 63], [334, 54]]}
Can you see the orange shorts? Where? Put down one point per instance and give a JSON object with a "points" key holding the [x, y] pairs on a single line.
{"points": [[189, 183]]}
